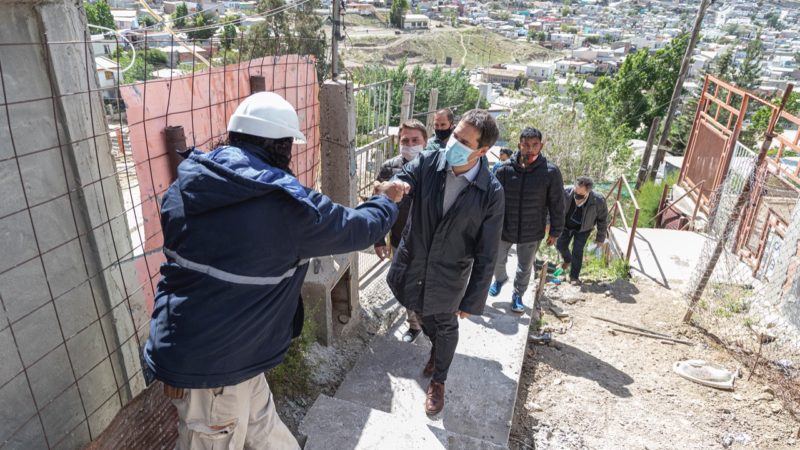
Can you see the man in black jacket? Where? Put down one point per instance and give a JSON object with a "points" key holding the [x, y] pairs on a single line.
{"points": [[533, 189], [444, 264], [586, 210], [412, 136], [443, 124]]}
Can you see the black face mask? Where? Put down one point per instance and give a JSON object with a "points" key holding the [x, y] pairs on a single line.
{"points": [[580, 196], [443, 135]]}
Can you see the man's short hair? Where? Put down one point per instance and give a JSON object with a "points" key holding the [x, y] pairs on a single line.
{"points": [[530, 133], [585, 182], [485, 124], [506, 151], [414, 124], [449, 113]]}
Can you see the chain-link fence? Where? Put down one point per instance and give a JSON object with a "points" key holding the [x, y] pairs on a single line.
{"points": [[751, 300]]}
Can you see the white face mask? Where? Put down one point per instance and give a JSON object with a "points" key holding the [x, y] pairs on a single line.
{"points": [[410, 153]]}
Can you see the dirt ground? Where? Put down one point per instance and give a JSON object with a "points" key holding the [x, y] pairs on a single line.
{"points": [[591, 389]]}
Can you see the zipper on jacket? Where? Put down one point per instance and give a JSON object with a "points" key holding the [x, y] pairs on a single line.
{"points": [[519, 219]]}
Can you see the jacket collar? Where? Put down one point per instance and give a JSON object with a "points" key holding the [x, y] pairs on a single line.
{"points": [[539, 161], [482, 180]]}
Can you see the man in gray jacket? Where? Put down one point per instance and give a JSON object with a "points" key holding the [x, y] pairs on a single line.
{"points": [[585, 210]]}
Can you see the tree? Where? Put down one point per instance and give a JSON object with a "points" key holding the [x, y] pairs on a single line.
{"points": [[179, 16], [680, 132], [296, 30], [751, 135], [797, 58], [206, 25], [229, 33], [398, 13], [144, 66], [748, 73], [146, 20], [592, 40], [99, 14], [774, 21], [724, 68]]}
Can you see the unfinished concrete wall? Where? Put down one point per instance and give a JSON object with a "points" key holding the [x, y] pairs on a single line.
{"points": [[68, 291]]}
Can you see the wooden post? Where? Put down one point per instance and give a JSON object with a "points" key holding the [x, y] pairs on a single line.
{"points": [[644, 166], [257, 84], [120, 141], [433, 104], [407, 105], [661, 207]]}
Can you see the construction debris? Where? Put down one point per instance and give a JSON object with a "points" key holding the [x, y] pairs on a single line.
{"points": [[705, 373], [643, 331]]}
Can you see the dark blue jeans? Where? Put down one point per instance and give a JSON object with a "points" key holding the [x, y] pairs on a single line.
{"points": [[574, 257]]}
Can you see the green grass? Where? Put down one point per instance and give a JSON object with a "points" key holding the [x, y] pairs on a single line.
{"points": [[648, 197], [484, 48], [293, 376], [597, 270], [354, 19]]}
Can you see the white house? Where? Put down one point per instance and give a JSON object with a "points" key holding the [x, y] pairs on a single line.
{"points": [[123, 18], [107, 71], [540, 70], [415, 22]]}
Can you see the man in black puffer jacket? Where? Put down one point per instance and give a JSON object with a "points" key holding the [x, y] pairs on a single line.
{"points": [[533, 189]]}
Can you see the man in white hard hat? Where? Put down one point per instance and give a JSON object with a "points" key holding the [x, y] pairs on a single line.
{"points": [[239, 230]]}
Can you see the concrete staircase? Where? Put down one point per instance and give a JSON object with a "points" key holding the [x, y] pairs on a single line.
{"points": [[380, 404]]}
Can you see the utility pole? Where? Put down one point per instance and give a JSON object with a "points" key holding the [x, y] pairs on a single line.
{"points": [[645, 165], [337, 14], [676, 94]]}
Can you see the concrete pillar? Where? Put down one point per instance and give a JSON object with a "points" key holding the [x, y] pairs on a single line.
{"points": [[407, 102], [66, 273], [330, 291]]}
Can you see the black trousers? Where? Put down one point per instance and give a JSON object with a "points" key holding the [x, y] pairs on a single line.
{"points": [[575, 257], [442, 330]]}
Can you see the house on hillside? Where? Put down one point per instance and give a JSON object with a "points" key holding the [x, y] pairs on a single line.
{"points": [[107, 72], [415, 22], [504, 77], [124, 18], [540, 71]]}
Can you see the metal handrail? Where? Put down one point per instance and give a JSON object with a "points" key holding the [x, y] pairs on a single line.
{"points": [[673, 203], [617, 207]]}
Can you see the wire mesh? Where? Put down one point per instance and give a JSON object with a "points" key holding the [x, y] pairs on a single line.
{"points": [[83, 164], [751, 302], [373, 146]]}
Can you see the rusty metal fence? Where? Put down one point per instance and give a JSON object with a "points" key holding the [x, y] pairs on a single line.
{"points": [[84, 160]]}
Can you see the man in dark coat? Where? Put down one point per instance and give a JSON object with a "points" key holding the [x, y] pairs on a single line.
{"points": [[586, 209], [533, 191], [413, 135], [239, 230], [443, 124], [444, 263]]}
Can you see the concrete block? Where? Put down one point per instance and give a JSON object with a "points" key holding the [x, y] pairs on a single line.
{"points": [[37, 334], [29, 437], [17, 243], [33, 127], [10, 183], [60, 418], [28, 59], [100, 419], [76, 310], [333, 424], [75, 439], [43, 176], [87, 349], [6, 150], [24, 288], [54, 223], [98, 386], [17, 407], [11, 366], [325, 299], [127, 367], [65, 268], [50, 376]]}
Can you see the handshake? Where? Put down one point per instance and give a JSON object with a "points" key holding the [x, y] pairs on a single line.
{"points": [[395, 190]]}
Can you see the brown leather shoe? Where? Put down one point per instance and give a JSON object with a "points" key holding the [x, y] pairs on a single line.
{"points": [[434, 402], [427, 372]]}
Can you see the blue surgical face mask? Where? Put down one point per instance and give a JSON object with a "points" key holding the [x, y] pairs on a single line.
{"points": [[457, 154]]}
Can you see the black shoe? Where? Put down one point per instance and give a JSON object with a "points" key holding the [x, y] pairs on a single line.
{"points": [[411, 335]]}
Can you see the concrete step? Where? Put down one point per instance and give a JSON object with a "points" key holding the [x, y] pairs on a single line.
{"points": [[482, 384], [336, 424]]}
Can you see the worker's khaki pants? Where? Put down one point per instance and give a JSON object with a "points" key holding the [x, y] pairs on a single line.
{"points": [[235, 417]]}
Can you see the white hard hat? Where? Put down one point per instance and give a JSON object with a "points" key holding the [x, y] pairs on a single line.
{"points": [[268, 115]]}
